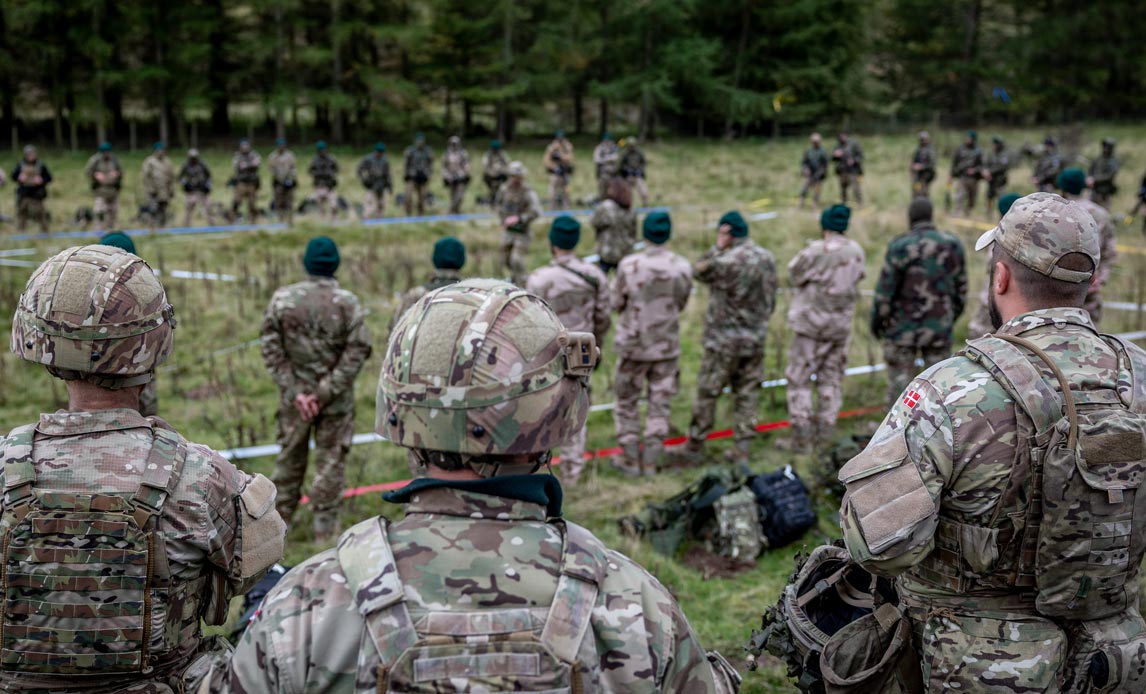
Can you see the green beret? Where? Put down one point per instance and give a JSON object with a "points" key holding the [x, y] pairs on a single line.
{"points": [[280, 141], [565, 232], [657, 227], [321, 144], [971, 134], [836, 218], [449, 254], [321, 258], [736, 221], [158, 145], [118, 239], [105, 146], [495, 144], [1071, 181], [606, 136], [559, 134], [1006, 201], [419, 137], [379, 146], [244, 141]]}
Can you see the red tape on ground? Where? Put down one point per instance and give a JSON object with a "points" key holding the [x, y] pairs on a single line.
{"points": [[609, 452]]}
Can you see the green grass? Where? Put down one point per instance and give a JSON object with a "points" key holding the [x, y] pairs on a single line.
{"points": [[227, 400]]}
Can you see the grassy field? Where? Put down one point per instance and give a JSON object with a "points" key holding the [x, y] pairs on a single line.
{"points": [[214, 388]]}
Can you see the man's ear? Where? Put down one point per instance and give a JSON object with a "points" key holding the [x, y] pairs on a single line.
{"points": [[1002, 279]]}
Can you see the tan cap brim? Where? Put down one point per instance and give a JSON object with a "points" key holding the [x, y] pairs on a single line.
{"points": [[986, 239]]}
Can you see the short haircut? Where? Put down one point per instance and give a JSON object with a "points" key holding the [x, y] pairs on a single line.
{"points": [[1041, 291]]}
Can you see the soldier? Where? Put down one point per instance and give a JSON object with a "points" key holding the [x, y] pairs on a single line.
{"points": [[106, 176], [449, 258], [482, 566], [517, 206], [824, 278], [494, 164], [558, 160], [1102, 173], [1048, 167], [742, 278], [120, 536], [966, 166], [195, 178], [32, 178], [245, 164], [1071, 183], [149, 396], [314, 342], [922, 167], [814, 167], [323, 172], [456, 172], [651, 291], [283, 180], [918, 298], [578, 293], [158, 176], [615, 223], [996, 164], [633, 168], [981, 322], [605, 158], [374, 173], [419, 168], [970, 493], [848, 156]]}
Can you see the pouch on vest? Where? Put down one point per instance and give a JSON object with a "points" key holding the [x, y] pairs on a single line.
{"points": [[872, 654], [1108, 655], [495, 650], [81, 592], [969, 653]]}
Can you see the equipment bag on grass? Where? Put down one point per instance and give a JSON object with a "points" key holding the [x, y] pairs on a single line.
{"points": [[785, 507]]}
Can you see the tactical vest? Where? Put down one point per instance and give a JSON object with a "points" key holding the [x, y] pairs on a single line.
{"points": [[494, 650], [1079, 537], [85, 581]]}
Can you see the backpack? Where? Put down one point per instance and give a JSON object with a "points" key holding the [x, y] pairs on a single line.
{"points": [[80, 586], [785, 508], [486, 650], [736, 527], [1086, 519], [668, 523]]}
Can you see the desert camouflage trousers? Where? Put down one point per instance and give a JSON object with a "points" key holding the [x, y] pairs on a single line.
{"points": [[901, 366], [327, 200], [457, 196], [825, 359], [558, 191], [31, 209], [660, 380], [374, 205], [106, 210], [742, 374], [248, 193], [332, 435], [194, 201], [637, 183], [514, 251], [283, 202], [966, 192], [412, 189]]}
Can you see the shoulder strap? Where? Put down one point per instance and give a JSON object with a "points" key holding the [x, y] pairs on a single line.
{"points": [[1132, 392], [19, 471], [593, 281], [372, 578], [583, 565], [160, 475]]}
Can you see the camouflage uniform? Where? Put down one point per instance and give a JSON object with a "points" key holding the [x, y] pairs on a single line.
{"points": [[814, 167], [651, 291], [919, 296], [1107, 239], [558, 159], [1047, 169], [494, 167], [245, 165], [195, 178], [106, 192], [996, 164], [921, 177], [520, 201], [456, 173], [742, 279], [824, 278], [966, 167], [1102, 172], [605, 156], [578, 293], [848, 156], [158, 179], [282, 164], [32, 179], [419, 168], [323, 170], [374, 172], [633, 169], [314, 341], [616, 229]]}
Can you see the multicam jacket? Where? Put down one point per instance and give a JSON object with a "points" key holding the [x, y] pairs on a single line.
{"points": [[849, 158], [921, 290], [494, 163], [456, 165], [282, 165], [374, 172], [1103, 170], [314, 340], [651, 290], [924, 156], [632, 161], [246, 166], [110, 165], [577, 292], [158, 178], [467, 553], [814, 163], [1048, 167], [517, 200], [742, 278], [605, 157], [967, 158], [997, 163], [418, 163], [324, 170], [616, 229], [825, 279], [195, 177]]}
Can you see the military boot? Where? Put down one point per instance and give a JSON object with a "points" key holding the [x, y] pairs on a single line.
{"points": [[651, 458], [629, 462]]}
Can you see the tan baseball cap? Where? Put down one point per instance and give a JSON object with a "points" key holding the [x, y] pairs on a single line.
{"points": [[1040, 229]]}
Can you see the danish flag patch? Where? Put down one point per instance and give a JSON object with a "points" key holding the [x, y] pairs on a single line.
{"points": [[911, 399]]}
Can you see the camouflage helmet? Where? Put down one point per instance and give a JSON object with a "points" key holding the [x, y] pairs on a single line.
{"points": [[96, 313], [483, 368]]}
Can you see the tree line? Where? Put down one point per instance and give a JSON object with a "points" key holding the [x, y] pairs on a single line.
{"points": [[350, 70]]}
